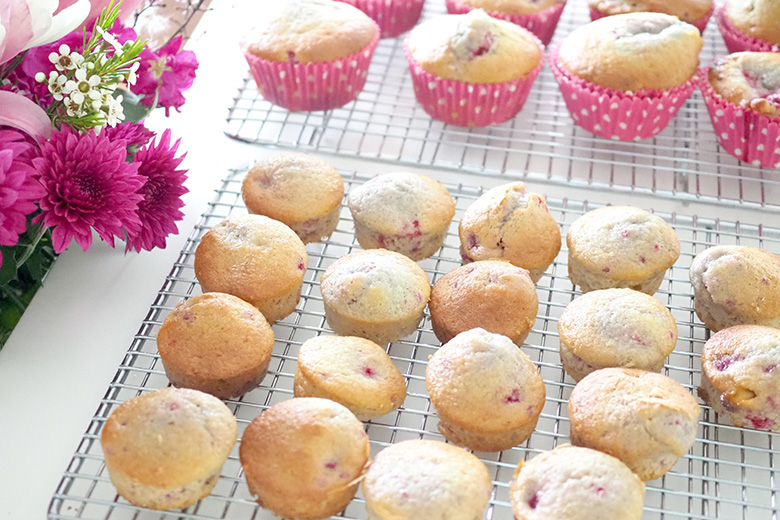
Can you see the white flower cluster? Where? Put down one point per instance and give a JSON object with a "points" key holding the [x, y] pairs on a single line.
{"points": [[82, 92]]}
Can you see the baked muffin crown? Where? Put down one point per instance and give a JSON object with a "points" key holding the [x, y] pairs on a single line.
{"points": [[474, 48], [309, 31], [757, 18], [750, 80], [686, 10], [632, 52]]}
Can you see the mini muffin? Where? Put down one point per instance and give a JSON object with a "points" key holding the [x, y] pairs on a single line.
{"points": [[645, 419], [750, 25], [742, 95], [472, 69], [477, 371], [615, 328], [303, 458], [256, 258], [574, 483], [620, 246], [734, 285], [511, 224], [694, 12], [404, 212], [394, 17], [740, 376], [376, 294], [492, 294], [296, 189], [426, 479], [216, 343], [538, 16], [626, 76], [352, 371], [165, 449], [310, 54]]}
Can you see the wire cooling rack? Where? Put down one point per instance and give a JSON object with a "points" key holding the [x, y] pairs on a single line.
{"points": [[728, 474], [540, 144]]}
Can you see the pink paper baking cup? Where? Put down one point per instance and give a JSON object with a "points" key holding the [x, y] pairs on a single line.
{"points": [[737, 41], [749, 136], [618, 115], [394, 17], [470, 104], [542, 24], [313, 86], [699, 24]]}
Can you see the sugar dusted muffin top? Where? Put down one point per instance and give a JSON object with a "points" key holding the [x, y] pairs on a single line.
{"points": [[757, 18], [513, 7], [686, 10], [635, 51], [750, 80], [309, 31], [474, 48]]}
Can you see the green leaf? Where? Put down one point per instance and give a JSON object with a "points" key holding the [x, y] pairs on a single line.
{"points": [[8, 269], [133, 109]]}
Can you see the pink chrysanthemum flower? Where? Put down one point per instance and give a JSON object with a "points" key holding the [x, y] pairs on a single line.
{"points": [[19, 191], [159, 209], [135, 135], [170, 70], [89, 185]]}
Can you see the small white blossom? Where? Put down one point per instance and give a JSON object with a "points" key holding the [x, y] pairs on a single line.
{"points": [[73, 107], [113, 109], [132, 75], [83, 86], [109, 38], [56, 84], [66, 60]]}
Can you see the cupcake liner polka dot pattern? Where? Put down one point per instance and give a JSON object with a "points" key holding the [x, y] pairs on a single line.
{"points": [[617, 115], [393, 17], [542, 24], [738, 42], [749, 136], [470, 104], [313, 86], [699, 24]]}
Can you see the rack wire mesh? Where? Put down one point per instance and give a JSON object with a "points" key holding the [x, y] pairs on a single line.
{"points": [[728, 474], [541, 144]]}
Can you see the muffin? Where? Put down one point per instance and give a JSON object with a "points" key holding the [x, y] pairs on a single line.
{"points": [[742, 94], [404, 212], [354, 372], [615, 328], [735, 285], [216, 343], [426, 479], [165, 449], [492, 294], [625, 76], [538, 16], [478, 371], [303, 458], [645, 419], [472, 69], [310, 54], [256, 258], [511, 224], [740, 377], [376, 294], [394, 17], [750, 25], [299, 190], [574, 483], [620, 246], [694, 12]]}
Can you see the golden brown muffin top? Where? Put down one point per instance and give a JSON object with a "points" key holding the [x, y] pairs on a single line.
{"points": [[750, 80], [689, 11], [757, 18], [513, 7], [635, 51]]}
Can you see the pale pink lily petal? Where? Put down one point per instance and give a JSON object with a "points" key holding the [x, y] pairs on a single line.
{"points": [[15, 17], [60, 24], [19, 112]]}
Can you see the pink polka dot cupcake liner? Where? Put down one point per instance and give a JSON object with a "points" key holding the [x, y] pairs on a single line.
{"points": [[314, 86], [394, 17], [470, 104], [737, 41], [542, 24], [699, 24], [618, 115], [749, 136]]}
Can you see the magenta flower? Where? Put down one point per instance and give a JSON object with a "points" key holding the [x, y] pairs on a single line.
{"points": [[135, 135], [159, 209], [169, 72], [89, 185], [19, 190]]}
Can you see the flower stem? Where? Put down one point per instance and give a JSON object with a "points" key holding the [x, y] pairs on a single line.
{"points": [[39, 232]]}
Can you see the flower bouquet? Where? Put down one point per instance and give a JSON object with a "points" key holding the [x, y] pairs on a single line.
{"points": [[75, 158]]}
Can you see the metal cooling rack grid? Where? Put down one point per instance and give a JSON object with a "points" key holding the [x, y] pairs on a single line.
{"points": [[728, 474], [540, 144]]}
